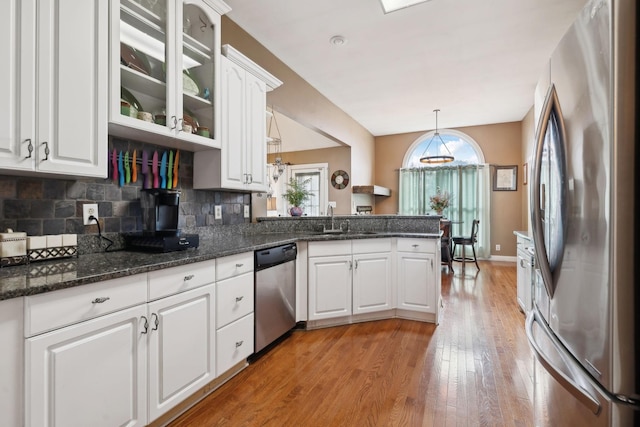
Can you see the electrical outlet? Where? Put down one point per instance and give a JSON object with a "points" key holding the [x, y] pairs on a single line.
{"points": [[247, 213], [89, 209], [332, 204], [497, 248], [217, 212]]}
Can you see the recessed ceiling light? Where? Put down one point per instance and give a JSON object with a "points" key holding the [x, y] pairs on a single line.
{"points": [[338, 40], [392, 5]]}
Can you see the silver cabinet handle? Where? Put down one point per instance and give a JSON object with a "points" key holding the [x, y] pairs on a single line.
{"points": [[189, 277], [100, 300], [175, 122], [46, 151], [180, 124], [350, 265], [146, 325], [29, 147], [156, 322], [238, 265], [250, 178], [431, 263], [239, 343], [238, 299], [356, 262], [415, 245]]}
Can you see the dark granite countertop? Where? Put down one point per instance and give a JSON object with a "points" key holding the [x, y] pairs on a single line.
{"points": [[46, 276]]}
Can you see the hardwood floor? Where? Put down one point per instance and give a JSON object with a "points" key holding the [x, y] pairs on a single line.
{"points": [[474, 369]]}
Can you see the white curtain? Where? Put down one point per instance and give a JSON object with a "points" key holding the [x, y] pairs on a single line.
{"points": [[469, 186]]}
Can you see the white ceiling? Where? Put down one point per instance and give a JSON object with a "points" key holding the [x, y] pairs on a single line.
{"points": [[477, 61]]}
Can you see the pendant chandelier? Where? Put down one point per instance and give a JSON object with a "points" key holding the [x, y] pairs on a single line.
{"points": [[274, 146], [439, 156]]}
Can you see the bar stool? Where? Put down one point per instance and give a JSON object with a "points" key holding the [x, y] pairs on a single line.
{"points": [[467, 241], [445, 244]]}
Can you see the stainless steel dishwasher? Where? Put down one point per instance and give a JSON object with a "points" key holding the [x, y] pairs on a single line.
{"points": [[275, 296]]}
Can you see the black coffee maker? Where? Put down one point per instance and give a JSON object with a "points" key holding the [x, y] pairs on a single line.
{"points": [[160, 232]]}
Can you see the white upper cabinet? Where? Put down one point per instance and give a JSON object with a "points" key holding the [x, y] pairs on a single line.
{"points": [[164, 83], [240, 164], [54, 83]]}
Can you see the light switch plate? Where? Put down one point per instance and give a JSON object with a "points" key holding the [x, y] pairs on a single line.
{"points": [[217, 212], [246, 211]]}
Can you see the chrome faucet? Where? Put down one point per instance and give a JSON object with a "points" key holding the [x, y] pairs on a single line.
{"points": [[330, 210]]}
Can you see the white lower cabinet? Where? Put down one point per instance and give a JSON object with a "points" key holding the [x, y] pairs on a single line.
{"points": [[418, 277], [234, 313], [357, 279], [329, 286], [181, 347], [12, 361], [93, 373]]}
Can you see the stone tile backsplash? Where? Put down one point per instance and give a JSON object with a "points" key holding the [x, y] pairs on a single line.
{"points": [[43, 206]]}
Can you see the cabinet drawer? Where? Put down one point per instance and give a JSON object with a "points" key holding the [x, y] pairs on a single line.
{"points": [[370, 246], [338, 247], [234, 265], [234, 343], [234, 298], [417, 245], [45, 312], [173, 280]]}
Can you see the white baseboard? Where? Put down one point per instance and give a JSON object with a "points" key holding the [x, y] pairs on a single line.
{"points": [[503, 258]]}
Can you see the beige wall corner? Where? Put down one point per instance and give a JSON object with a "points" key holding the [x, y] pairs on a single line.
{"points": [[528, 142]]}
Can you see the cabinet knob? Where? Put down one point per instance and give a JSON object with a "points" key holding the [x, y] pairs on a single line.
{"points": [[156, 322], [29, 147], [46, 151], [146, 325], [240, 298], [415, 245], [238, 265], [100, 300], [239, 343], [189, 277]]}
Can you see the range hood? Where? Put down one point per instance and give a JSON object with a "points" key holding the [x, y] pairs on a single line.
{"points": [[376, 190]]}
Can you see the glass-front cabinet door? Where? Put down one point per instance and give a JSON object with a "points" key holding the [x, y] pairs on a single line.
{"points": [[164, 71]]}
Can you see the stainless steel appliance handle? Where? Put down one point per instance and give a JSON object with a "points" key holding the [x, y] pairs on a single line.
{"points": [[551, 103], [579, 393]]}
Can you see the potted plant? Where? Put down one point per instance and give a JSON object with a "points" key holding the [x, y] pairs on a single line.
{"points": [[440, 201], [296, 194]]}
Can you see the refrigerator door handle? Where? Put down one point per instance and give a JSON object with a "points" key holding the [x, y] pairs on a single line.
{"points": [[578, 392]]}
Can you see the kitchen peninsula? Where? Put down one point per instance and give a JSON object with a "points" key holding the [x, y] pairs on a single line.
{"points": [[133, 309]]}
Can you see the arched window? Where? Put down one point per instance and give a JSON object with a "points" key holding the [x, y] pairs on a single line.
{"points": [[464, 149], [466, 180]]}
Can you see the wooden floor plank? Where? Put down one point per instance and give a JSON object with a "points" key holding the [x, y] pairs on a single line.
{"points": [[474, 369]]}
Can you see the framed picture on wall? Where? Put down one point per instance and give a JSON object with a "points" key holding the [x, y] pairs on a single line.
{"points": [[505, 178]]}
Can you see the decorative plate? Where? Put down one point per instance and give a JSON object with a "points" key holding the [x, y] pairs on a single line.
{"points": [[134, 59], [189, 85], [340, 179]]}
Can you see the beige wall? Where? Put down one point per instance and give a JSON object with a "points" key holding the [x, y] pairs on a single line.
{"points": [[528, 142], [300, 101], [337, 158], [501, 145]]}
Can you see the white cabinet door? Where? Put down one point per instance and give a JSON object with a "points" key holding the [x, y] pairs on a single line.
{"points": [[12, 361], [89, 374], [417, 282], [255, 133], [233, 129], [17, 84], [176, 79], [329, 287], [72, 86], [372, 283], [59, 47], [181, 347], [520, 274]]}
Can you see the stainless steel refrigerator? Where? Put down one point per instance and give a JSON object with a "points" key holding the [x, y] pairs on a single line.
{"points": [[584, 328]]}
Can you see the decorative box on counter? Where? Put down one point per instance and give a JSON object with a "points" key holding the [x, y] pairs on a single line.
{"points": [[54, 246], [13, 248]]}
